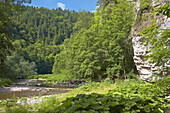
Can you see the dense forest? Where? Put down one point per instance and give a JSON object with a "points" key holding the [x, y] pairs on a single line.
{"points": [[102, 48], [78, 44], [36, 36]]}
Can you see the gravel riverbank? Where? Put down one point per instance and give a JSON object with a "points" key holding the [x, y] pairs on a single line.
{"points": [[29, 91], [4, 90]]}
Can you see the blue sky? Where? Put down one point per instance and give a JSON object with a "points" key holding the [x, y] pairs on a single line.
{"points": [[88, 5]]}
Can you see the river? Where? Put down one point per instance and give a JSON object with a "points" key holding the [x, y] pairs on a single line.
{"points": [[29, 91]]}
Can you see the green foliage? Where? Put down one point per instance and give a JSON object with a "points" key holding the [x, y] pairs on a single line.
{"points": [[48, 106], [39, 30], [40, 24], [159, 39], [130, 96], [16, 66], [131, 75], [144, 16], [5, 82], [42, 55], [11, 106], [90, 86], [101, 48], [68, 50], [53, 77], [145, 5], [164, 84], [164, 9], [60, 78], [6, 8]]}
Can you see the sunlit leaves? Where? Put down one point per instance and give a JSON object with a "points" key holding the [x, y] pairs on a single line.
{"points": [[130, 97]]}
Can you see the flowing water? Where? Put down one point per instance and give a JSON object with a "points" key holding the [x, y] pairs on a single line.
{"points": [[27, 91]]}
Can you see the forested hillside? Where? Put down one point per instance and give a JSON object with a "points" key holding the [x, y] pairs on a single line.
{"points": [[96, 46], [50, 27], [101, 48], [36, 34]]}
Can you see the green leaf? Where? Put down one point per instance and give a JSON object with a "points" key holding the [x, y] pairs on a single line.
{"points": [[84, 105], [146, 109], [97, 107], [113, 104]]}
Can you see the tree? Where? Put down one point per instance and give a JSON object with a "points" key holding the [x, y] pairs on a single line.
{"points": [[17, 65], [101, 48], [65, 61], [107, 51], [41, 30], [6, 7]]}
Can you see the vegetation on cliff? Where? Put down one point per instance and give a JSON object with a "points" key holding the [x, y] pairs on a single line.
{"points": [[158, 36]]}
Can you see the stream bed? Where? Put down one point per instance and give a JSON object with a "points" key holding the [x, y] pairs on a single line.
{"points": [[29, 91]]}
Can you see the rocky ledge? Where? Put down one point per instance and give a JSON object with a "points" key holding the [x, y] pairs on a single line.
{"points": [[144, 67]]}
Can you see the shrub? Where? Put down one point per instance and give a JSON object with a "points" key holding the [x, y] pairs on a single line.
{"points": [[11, 106], [131, 96], [53, 78], [164, 84], [5, 82]]}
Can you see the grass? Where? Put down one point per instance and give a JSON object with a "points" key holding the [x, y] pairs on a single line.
{"points": [[50, 103], [130, 89], [53, 77]]}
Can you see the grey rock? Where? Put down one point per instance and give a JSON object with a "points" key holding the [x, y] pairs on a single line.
{"points": [[144, 67]]}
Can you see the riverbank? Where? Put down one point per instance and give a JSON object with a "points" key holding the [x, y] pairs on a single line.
{"points": [[122, 95], [44, 83], [29, 91], [35, 87], [4, 90]]}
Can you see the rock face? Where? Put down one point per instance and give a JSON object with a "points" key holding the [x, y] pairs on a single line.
{"points": [[144, 67]]}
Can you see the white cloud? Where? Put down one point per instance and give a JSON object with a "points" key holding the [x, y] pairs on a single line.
{"points": [[61, 5], [95, 9]]}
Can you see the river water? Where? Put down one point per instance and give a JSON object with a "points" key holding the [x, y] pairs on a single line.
{"points": [[28, 91]]}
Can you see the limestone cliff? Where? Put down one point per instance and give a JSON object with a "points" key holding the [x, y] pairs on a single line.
{"points": [[144, 67]]}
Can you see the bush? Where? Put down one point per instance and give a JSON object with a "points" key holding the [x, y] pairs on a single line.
{"points": [[164, 84], [90, 86], [5, 82], [132, 75], [53, 78], [131, 96], [11, 106]]}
